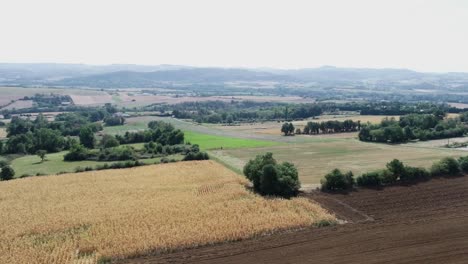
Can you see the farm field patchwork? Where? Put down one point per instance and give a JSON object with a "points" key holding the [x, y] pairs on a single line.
{"points": [[421, 224], [316, 159], [115, 214]]}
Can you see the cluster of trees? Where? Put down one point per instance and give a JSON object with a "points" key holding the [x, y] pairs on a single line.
{"points": [[158, 132], [287, 129], [326, 127], [395, 172], [114, 120], [161, 139], [271, 178], [28, 136], [49, 100], [411, 127]]}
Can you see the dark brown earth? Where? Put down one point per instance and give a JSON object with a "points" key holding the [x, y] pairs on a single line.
{"points": [[424, 223]]}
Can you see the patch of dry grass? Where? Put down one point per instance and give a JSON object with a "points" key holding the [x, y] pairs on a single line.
{"points": [[3, 132], [80, 218]]}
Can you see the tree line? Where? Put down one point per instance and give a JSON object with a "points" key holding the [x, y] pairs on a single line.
{"points": [[395, 173], [412, 127]]}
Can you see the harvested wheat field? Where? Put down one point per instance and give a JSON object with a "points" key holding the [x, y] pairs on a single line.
{"points": [[115, 214]]}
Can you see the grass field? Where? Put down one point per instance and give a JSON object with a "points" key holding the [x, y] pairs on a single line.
{"points": [[131, 124], [316, 159], [94, 216], [206, 141], [31, 164]]}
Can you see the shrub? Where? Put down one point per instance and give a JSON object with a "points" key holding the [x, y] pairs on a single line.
{"points": [[196, 156], [336, 180], [370, 179], [463, 161], [396, 167], [412, 174], [7, 173], [3, 163], [76, 153], [109, 141], [388, 177], [445, 167]]}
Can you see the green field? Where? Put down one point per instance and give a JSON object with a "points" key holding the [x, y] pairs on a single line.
{"points": [[316, 159], [124, 128], [31, 164], [206, 141]]}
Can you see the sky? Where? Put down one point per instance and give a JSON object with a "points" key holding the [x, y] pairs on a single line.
{"points": [[423, 35]]}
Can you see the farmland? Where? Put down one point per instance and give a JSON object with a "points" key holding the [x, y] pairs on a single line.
{"points": [[274, 128], [54, 163], [115, 214], [206, 141], [425, 223], [316, 159]]}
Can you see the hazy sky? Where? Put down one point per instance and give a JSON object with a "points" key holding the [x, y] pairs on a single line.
{"points": [[415, 34]]}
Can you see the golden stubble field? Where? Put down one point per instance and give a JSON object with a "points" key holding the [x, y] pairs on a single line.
{"points": [[274, 128], [91, 216]]}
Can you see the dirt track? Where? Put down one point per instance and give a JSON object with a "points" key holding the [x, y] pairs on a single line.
{"points": [[425, 223]]}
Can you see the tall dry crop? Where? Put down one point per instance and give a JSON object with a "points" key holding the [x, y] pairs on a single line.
{"points": [[79, 218]]}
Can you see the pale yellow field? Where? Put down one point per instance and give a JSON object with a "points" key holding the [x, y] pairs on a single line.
{"points": [[274, 128], [80, 218], [3, 132]]}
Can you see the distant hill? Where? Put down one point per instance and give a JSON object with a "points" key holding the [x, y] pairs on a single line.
{"points": [[192, 75], [129, 75]]}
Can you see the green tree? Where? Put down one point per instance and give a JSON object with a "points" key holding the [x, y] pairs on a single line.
{"points": [[109, 141], [42, 154], [270, 178], [336, 181], [7, 173], [396, 167], [87, 137], [48, 139], [254, 168]]}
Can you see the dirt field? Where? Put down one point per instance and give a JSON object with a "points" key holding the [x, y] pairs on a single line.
{"points": [[458, 105], [426, 223]]}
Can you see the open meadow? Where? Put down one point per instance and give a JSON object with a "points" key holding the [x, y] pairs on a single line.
{"points": [[54, 163], [206, 141], [316, 159], [96, 216]]}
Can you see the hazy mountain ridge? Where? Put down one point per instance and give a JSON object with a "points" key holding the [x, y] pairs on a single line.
{"points": [[130, 75]]}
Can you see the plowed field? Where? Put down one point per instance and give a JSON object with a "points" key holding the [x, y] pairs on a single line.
{"points": [[424, 223]]}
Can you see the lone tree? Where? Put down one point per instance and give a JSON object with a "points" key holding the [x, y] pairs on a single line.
{"points": [[42, 154], [7, 173], [287, 129], [270, 178]]}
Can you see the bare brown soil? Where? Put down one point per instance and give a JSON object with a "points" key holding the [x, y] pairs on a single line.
{"points": [[424, 223]]}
